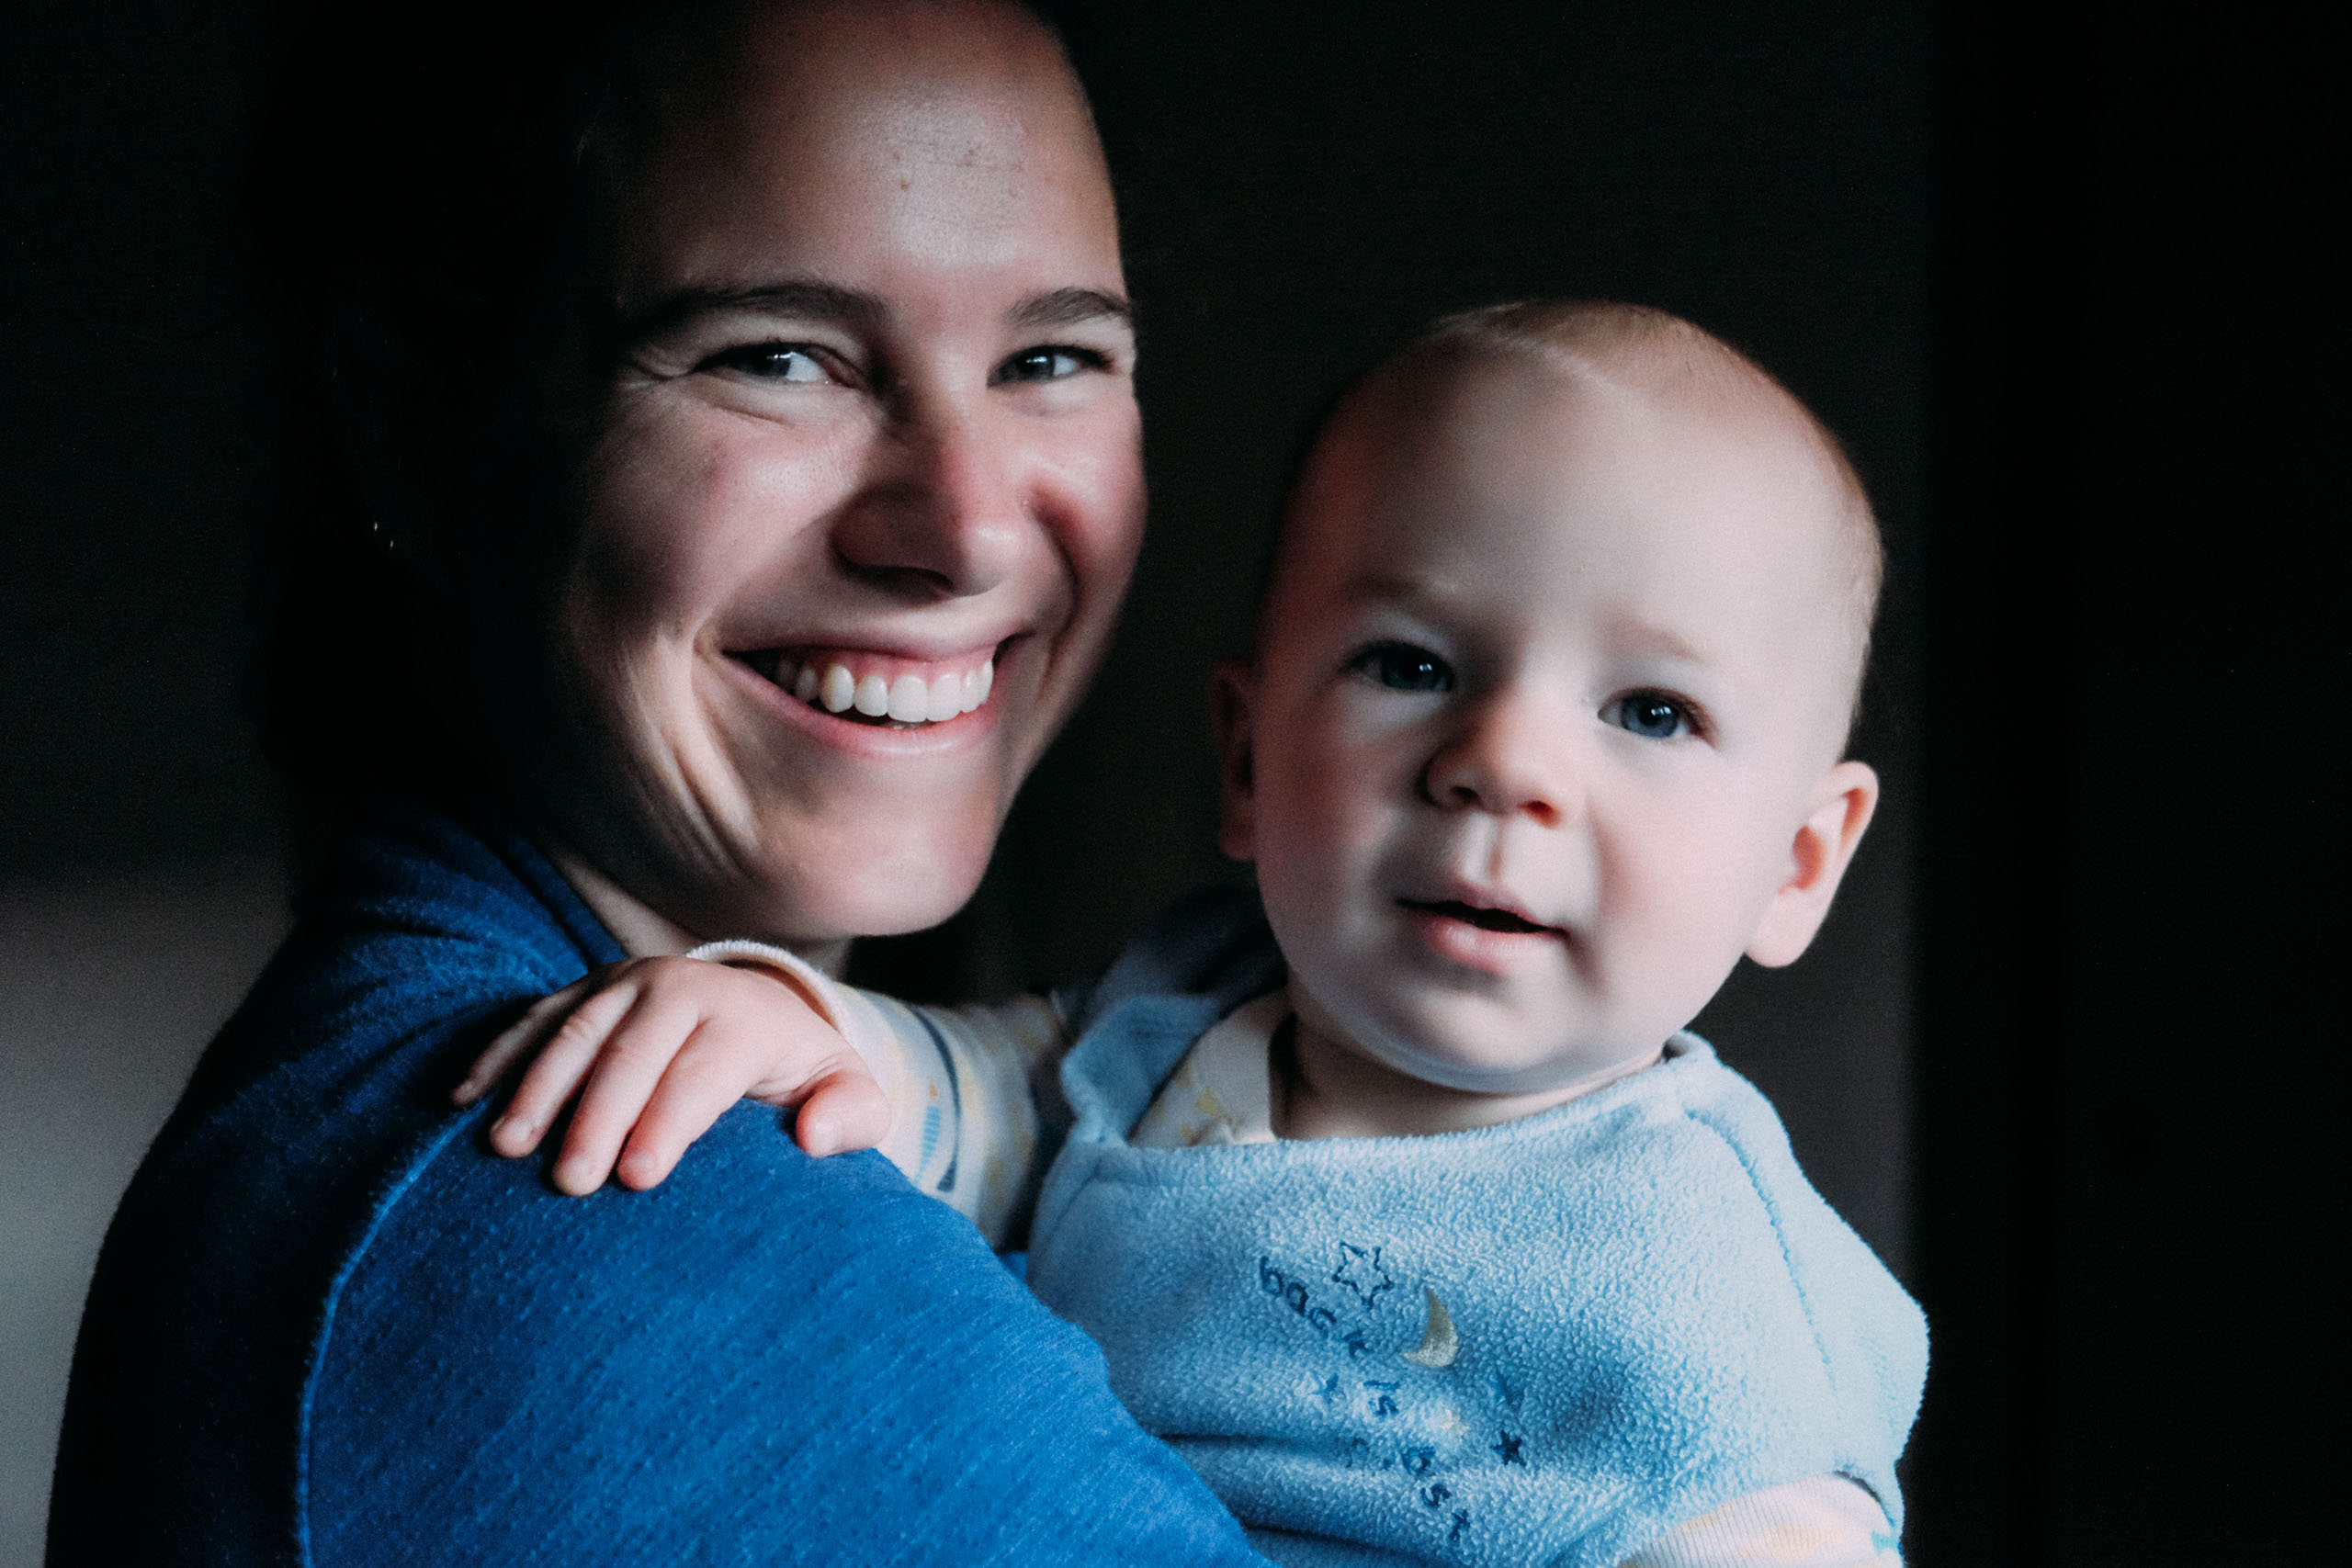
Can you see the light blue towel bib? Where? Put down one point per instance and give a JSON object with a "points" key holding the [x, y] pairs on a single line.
{"points": [[1651, 1311]]}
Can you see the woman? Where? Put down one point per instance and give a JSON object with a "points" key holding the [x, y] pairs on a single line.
{"points": [[822, 363]]}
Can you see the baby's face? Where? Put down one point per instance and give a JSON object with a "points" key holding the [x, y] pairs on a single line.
{"points": [[1551, 687]]}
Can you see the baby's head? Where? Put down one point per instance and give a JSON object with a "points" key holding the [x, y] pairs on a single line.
{"points": [[1551, 685]]}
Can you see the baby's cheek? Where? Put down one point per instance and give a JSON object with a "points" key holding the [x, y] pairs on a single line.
{"points": [[1680, 912], [1329, 814], [1316, 836]]}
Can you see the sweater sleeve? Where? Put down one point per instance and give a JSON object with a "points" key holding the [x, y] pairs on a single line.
{"points": [[968, 1126], [963, 1083], [769, 1359]]}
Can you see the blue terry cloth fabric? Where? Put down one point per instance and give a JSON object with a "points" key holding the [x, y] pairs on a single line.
{"points": [[1653, 1312], [327, 1328]]}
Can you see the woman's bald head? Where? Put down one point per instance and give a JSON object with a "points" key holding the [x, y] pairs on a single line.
{"points": [[682, 75]]}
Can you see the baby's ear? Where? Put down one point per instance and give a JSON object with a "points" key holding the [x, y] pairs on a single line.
{"points": [[1233, 707], [1825, 843]]}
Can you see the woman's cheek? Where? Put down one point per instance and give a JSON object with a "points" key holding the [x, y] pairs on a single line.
{"points": [[1091, 489], [698, 506]]}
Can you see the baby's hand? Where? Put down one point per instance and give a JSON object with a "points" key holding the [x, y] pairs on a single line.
{"points": [[664, 1047]]}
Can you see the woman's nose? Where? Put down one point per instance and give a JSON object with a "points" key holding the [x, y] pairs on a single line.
{"points": [[942, 515], [1508, 758]]}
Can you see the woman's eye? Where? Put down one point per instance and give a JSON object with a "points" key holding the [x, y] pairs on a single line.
{"points": [[1653, 716], [1047, 364], [1401, 667], [769, 361]]}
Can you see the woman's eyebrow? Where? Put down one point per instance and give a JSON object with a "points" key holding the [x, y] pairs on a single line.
{"points": [[803, 298], [1069, 307]]}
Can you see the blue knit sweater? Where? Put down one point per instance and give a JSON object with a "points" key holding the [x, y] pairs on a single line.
{"points": [[328, 1328], [1647, 1309]]}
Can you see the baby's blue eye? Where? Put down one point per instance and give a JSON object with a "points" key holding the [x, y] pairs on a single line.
{"points": [[768, 361], [1653, 716], [1401, 667]]}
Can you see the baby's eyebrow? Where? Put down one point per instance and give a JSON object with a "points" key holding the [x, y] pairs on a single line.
{"points": [[1628, 632], [1648, 637], [1389, 585]]}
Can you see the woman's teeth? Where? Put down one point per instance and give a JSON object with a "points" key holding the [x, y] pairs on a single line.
{"points": [[910, 699]]}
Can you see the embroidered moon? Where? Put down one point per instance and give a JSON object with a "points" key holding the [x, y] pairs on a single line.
{"points": [[1438, 1344]]}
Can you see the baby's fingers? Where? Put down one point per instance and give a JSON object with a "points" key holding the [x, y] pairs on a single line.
{"points": [[554, 1076], [713, 1070], [845, 1109], [723, 1061], [517, 1041], [626, 1085]]}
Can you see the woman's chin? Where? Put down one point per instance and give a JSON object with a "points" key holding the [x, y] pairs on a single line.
{"points": [[852, 879]]}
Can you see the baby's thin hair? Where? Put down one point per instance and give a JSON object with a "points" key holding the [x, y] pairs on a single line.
{"points": [[1651, 352]]}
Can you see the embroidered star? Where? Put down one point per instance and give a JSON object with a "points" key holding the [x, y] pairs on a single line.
{"points": [[1362, 1273], [1508, 1448]]}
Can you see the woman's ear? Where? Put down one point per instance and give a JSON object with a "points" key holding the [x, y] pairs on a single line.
{"points": [[1825, 843], [1232, 706]]}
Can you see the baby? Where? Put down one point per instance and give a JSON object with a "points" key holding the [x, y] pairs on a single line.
{"points": [[1417, 1227]]}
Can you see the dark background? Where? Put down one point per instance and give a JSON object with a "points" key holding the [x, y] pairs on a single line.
{"points": [[2054, 273]]}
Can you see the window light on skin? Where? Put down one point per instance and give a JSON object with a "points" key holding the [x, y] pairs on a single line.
{"points": [[871, 431], [1542, 735]]}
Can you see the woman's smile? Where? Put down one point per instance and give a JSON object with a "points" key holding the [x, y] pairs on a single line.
{"points": [[861, 703], [879, 689]]}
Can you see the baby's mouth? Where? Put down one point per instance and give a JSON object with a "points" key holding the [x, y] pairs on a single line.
{"points": [[1484, 919], [877, 689]]}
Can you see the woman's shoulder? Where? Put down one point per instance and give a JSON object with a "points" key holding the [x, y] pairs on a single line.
{"points": [[304, 1120], [329, 1327], [767, 1350], [414, 894]]}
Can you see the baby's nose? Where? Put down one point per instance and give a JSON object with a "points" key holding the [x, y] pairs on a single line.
{"points": [[1507, 760]]}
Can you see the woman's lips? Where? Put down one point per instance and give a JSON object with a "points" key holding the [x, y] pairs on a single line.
{"points": [[882, 689], [1481, 936]]}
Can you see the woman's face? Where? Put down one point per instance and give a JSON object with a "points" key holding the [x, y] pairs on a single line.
{"points": [[872, 440]]}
